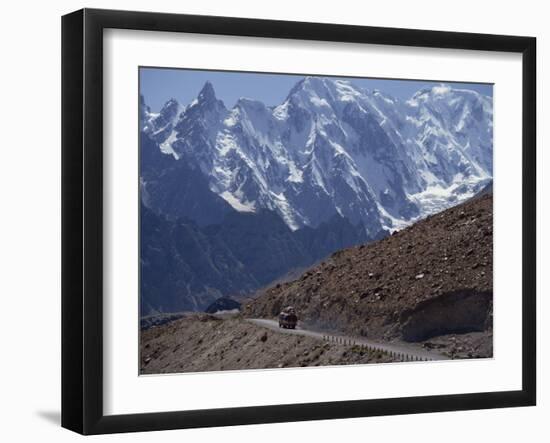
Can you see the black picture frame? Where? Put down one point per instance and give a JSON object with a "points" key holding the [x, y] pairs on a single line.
{"points": [[82, 220]]}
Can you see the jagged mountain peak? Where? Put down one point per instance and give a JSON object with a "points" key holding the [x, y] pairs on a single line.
{"points": [[313, 96], [170, 110], [206, 103], [434, 91], [333, 147], [142, 102], [170, 103], [329, 89], [207, 93], [312, 83], [445, 93], [310, 86], [144, 113]]}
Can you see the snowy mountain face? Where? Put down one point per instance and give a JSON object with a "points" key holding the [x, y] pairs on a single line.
{"points": [[331, 149]]}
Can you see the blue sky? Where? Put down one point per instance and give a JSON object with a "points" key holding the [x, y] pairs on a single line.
{"points": [[158, 85]]}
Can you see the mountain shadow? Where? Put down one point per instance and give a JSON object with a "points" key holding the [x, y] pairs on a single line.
{"points": [[185, 266]]}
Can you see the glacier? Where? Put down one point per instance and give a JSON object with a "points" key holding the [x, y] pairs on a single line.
{"points": [[331, 149]]}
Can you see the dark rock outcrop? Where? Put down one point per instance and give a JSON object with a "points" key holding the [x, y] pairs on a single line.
{"points": [[223, 304], [456, 312]]}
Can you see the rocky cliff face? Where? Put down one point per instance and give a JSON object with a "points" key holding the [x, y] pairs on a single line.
{"points": [[431, 279]]}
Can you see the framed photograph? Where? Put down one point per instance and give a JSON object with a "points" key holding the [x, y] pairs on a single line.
{"points": [[269, 221]]}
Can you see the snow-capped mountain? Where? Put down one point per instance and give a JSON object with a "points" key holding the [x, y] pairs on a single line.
{"points": [[332, 148]]}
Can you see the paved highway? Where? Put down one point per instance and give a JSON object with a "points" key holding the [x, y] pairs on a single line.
{"points": [[402, 348]]}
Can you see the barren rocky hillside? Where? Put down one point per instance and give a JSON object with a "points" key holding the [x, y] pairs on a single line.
{"points": [[430, 280], [202, 342]]}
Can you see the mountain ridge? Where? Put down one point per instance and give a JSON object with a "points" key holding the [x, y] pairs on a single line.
{"points": [[330, 144], [186, 266]]}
